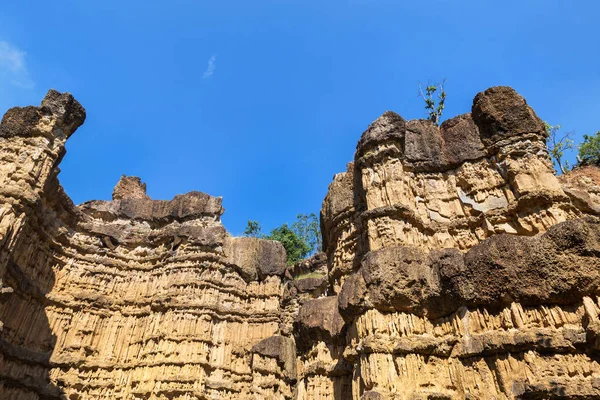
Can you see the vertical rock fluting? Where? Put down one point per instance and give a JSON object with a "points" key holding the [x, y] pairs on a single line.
{"points": [[456, 266], [129, 298], [462, 266], [32, 144]]}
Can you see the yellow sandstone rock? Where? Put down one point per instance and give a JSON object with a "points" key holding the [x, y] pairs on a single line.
{"points": [[457, 266]]}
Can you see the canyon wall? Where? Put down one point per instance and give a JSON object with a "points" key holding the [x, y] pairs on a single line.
{"points": [[456, 266], [463, 267], [131, 298]]}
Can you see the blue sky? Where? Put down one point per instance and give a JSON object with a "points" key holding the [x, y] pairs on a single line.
{"points": [[262, 102]]}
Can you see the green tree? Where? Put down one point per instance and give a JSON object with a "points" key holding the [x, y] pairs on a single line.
{"points": [[307, 228], [295, 247], [557, 145], [253, 229], [589, 150], [434, 107]]}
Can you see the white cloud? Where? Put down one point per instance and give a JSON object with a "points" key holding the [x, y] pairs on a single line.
{"points": [[12, 66], [210, 69]]}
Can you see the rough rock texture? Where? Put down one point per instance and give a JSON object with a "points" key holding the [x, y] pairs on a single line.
{"points": [[582, 185], [463, 267], [456, 266], [303, 281], [131, 298]]}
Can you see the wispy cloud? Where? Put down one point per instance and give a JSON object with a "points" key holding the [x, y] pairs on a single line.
{"points": [[12, 66], [210, 69]]}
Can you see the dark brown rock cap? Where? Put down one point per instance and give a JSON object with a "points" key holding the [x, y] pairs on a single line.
{"points": [[500, 112], [69, 114], [130, 201], [389, 126], [255, 258], [130, 187], [183, 206], [461, 140], [62, 107], [283, 349], [318, 320], [560, 266], [425, 146]]}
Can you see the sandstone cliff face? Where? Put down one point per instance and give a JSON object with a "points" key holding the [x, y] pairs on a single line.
{"points": [[457, 266], [463, 267], [129, 298]]}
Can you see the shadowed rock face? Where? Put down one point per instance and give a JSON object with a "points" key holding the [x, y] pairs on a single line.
{"points": [[318, 320], [281, 348], [560, 266], [456, 265]]}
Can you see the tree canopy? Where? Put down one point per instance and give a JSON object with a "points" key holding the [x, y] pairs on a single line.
{"points": [[295, 247], [557, 144], [589, 150], [253, 229], [300, 240]]}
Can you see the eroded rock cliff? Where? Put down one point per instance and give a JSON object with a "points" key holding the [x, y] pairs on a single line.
{"points": [[463, 267], [129, 298], [456, 265]]}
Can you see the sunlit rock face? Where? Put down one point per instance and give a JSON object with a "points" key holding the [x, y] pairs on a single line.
{"points": [[456, 266], [463, 267], [131, 298]]}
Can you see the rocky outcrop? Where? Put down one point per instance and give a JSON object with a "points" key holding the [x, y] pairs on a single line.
{"points": [[582, 185], [129, 298], [463, 267], [456, 266]]}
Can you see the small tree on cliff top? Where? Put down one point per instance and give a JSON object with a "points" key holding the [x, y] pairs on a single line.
{"points": [[557, 144], [295, 247], [253, 229], [307, 228], [299, 241], [434, 107], [589, 151]]}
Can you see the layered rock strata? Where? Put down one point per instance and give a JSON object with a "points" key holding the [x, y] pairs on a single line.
{"points": [[131, 298], [462, 266], [456, 266]]}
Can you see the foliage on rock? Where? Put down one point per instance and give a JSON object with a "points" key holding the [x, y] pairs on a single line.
{"points": [[589, 150], [295, 247], [557, 145], [435, 107], [300, 240]]}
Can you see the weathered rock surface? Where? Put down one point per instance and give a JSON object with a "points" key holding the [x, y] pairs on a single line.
{"points": [[463, 267], [415, 184], [456, 266], [582, 185], [130, 298]]}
